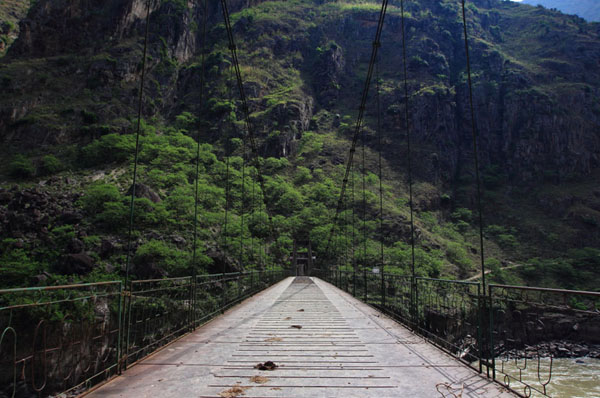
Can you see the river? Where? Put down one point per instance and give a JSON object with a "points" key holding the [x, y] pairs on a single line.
{"points": [[571, 377]]}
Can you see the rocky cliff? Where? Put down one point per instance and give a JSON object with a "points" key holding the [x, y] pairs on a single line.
{"points": [[70, 88]]}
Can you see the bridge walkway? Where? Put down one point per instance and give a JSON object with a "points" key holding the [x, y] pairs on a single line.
{"points": [[324, 342]]}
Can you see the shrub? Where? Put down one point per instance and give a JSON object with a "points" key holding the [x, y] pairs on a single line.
{"points": [[457, 254], [21, 167], [50, 165], [98, 196], [159, 255], [110, 148], [462, 214]]}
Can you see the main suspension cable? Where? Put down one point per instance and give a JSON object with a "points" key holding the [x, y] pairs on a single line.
{"points": [[242, 209], [246, 109], [380, 166], [475, 146], [408, 143], [137, 146], [364, 200], [359, 119], [202, 82], [227, 187]]}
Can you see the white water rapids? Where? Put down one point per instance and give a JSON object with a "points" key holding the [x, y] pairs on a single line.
{"points": [[571, 377]]}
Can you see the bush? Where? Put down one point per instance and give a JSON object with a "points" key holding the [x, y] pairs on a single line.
{"points": [[98, 196], [110, 148], [457, 254], [161, 258], [51, 165], [462, 214], [21, 167]]}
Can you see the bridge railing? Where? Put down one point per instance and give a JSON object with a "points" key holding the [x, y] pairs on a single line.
{"points": [[530, 327], [65, 339], [514, 333], [59, 338]]}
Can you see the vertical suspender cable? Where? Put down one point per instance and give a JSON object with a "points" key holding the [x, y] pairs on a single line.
{"points": [[380, 166], [195, 237], [242, 210], [252, 209], [135, 163], [409, 160], [353, 227], [227, 187], [137, 147], [475, 146], [246, 110], [483, 348], [359, 119], [364, 200]]}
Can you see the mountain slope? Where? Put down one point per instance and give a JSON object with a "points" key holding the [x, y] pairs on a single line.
{"points": [[587, 9], [71, 88]]}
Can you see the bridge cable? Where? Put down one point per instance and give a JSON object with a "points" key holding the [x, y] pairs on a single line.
{"points": [[353, 244], [246, 109], [242, 210], [409, 153], [364, 199], [227, 186], [380, 167], [252, 204], [137, 146], [475, 145], [359, 119], [202, 83]]}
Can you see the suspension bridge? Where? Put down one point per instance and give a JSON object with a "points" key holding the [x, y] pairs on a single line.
{"points": [[269, 333]]}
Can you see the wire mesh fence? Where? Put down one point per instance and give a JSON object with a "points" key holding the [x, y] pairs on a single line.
{"points": [[65, 339], [513, 333]]}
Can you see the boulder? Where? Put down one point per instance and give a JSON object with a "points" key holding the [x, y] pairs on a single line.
{"points": [[144, 191], [75, 246], [76, 263]]}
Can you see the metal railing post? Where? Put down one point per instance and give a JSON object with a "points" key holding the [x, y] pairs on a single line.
{"points": [[492, 350], [382, 288], [414, 304], [223, 293], [128, 295], [481, 301], [365, 281], [120, 333]]}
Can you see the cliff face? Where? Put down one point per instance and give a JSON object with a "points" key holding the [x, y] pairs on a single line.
{"points": [[536, 74], [70, 86]]}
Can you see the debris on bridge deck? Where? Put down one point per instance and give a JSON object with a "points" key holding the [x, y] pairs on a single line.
{"points": [[344, 348]]}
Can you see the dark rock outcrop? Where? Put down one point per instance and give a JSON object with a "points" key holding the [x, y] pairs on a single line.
{"points": [[78, 264], [144, 191]]}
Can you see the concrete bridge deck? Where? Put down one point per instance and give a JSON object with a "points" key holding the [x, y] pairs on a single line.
{"points": [[324, 342]]}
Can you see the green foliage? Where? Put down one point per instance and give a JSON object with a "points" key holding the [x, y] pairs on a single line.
{"points": [[311, 144], [283, 196], [185, 121], [89, 117], [462, 214], [273, 165], [427, 263], [50, 165], [110, 148], [457, 255], [97, 196], [17, 267], [171, 260], [21, 167]]}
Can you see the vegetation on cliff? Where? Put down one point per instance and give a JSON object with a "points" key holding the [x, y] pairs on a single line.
{"points": [[68, 118]]}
